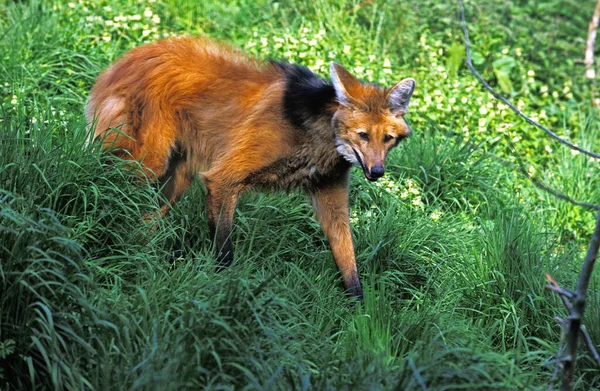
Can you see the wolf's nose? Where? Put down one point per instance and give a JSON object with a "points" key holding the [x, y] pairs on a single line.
{"points": [[377, 171]]}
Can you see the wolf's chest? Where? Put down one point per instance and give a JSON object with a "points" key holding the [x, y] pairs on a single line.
{"points": [[298, 172]]}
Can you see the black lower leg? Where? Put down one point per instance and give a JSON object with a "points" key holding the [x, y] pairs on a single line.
{"points": [[353, 287], [221, 236]]}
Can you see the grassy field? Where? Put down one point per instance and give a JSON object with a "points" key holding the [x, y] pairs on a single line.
{"points": [[452, 245]]}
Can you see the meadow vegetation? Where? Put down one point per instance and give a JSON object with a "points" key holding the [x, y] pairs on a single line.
{"points": [[452, 245]]}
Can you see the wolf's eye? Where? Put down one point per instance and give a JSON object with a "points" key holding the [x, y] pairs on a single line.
{"points": [[363, 136], [387, 138]]}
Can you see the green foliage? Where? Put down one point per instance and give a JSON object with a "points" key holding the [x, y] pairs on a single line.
{"points": [[452, 246]]}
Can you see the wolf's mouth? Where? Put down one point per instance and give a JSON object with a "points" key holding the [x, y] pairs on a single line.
{"points": [[364, 168]]}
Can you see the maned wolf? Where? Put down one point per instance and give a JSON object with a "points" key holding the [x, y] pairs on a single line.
{"points": [[190, 106]]}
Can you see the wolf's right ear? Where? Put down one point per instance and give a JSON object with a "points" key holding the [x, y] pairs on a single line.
{"points": [[344, 84]]}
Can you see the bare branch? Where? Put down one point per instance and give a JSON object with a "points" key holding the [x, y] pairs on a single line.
{"points": [[558, 354], [575, 318], [505, 101], [590, 345], [588, 60], [564, 295]]}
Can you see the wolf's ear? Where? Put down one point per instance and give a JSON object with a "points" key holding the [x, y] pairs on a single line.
{"points": [[399, 96], [344, 84]]}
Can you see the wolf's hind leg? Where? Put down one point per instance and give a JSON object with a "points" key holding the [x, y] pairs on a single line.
{"points": [[175, 181]]}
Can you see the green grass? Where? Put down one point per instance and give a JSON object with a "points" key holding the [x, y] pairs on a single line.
{"points": [[452, 246]]}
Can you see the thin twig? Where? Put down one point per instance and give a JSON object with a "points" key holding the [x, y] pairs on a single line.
{"points": [[563, 292], [590, 345], [505, 101], [538, 182], [541, 185]]}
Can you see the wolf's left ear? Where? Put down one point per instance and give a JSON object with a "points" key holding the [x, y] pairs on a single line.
{"points": [[399, 96]]}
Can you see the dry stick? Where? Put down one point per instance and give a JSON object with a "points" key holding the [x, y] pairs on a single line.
{"points": [[505, 101], [576, 316], [578, 306], [588, 61], [560, 349], [565, 295]]}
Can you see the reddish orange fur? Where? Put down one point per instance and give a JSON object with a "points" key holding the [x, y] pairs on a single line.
{"points": [[234, 99]]}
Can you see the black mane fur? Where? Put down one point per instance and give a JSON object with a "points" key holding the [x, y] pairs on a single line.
{"points": [[306, 95]]}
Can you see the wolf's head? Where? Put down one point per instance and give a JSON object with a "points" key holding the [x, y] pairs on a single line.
{"points": [[369, 120]]}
